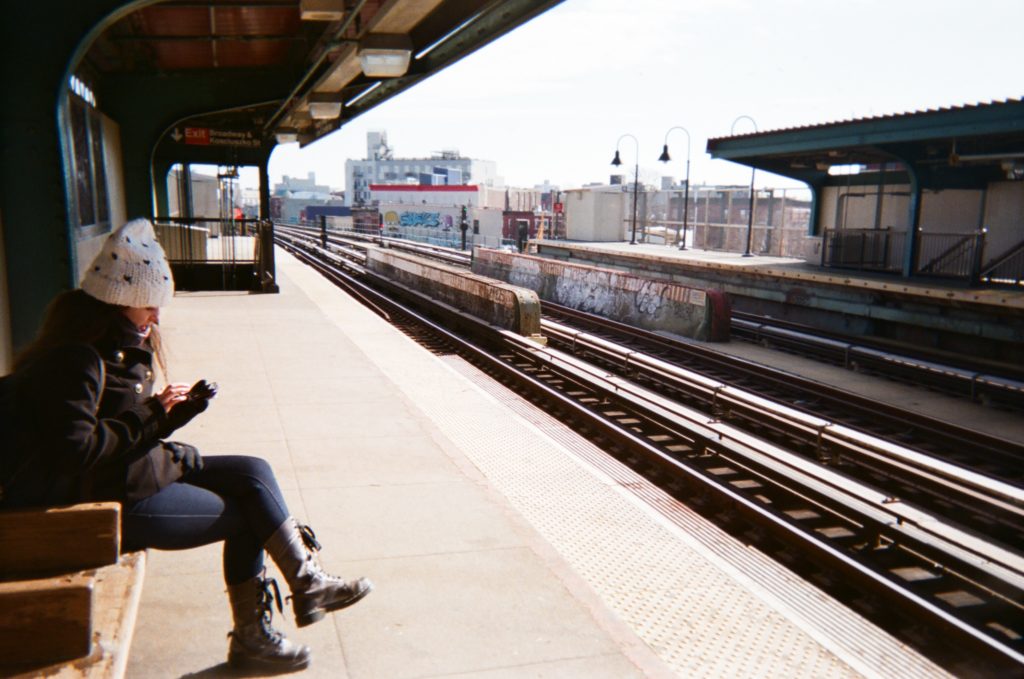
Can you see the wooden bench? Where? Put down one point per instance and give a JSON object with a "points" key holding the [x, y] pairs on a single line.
{"points": [[68, 598]]}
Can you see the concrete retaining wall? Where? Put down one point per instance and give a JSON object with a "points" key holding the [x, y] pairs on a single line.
{"points": [[642, 302], [974, 322], [499, 304]]}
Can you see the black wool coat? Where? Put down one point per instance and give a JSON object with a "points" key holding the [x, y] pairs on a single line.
{"points": [[89, 426]]}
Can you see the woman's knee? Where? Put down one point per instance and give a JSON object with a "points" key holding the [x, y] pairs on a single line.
{"points": [[198, 521], [247, 465], [248, 478]]}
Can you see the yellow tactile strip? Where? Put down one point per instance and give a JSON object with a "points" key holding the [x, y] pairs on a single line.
{"points": [[691, 603]]}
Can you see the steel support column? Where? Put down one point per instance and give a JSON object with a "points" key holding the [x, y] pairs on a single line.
{"points": [[913, 242]]}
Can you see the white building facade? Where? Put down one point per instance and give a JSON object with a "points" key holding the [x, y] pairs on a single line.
{"points": [[435, 213], [445, 168]]}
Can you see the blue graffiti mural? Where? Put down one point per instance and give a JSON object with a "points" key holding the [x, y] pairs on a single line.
{"points": [[428, 219]]}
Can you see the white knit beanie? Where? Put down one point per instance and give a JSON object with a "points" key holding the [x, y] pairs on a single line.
{"points": [[131, 269]]}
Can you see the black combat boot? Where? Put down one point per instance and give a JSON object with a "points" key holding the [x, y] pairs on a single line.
{"points": [[314, 593], [255, 644]]}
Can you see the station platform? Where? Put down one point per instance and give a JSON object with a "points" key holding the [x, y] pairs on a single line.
{"points": [[501, 543], [801, 270], [940, 315]]}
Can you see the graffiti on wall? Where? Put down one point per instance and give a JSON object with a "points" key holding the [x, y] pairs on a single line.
{"points": [[430, 220]]}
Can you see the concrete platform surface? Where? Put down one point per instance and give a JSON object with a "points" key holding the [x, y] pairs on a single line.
{"points": [[502, 545], [807, 271]]}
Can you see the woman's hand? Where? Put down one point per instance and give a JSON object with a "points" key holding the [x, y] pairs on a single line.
{"points": [[173, 394]]}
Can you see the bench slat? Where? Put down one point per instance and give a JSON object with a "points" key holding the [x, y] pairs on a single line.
{"points": [[45, 621], [59, 540], [116, 592]]}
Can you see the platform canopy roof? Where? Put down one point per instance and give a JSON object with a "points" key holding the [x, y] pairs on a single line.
{"points": [[263, 67], [957, 147]]}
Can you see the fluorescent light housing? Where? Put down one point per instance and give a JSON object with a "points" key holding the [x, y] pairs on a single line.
{"points": [[385, 55], [324, 110], [322, 10], [286, 136], [324, 105], [839, 170], [384, 64]]}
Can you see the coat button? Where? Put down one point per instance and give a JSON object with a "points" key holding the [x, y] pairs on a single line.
{"points": [[149, 375], [119, 356], [138, 388]]}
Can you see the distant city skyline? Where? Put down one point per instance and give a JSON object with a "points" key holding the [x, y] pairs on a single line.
{"points": [[550, 100]]}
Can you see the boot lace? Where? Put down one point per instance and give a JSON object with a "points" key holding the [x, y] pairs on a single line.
{"points": [[309, 538], [266, 596]]}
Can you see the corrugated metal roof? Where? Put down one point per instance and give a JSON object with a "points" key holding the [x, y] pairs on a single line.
{"points": [[875, 119]]}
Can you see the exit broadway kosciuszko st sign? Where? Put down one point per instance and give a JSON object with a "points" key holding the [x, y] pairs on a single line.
{"points": [[208, 136]]}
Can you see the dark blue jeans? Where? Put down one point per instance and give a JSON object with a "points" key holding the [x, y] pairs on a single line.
{"points": [[234, 498]]}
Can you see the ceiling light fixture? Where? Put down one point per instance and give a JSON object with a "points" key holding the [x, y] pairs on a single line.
{"points": [[286, 136], [385, 55], [322, 10], [324, 105]]}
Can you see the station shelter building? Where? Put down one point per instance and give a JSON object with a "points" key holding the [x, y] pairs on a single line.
{"points": [[934, 194]]}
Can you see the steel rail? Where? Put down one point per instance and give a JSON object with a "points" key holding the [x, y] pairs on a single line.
{"points": [[976, 380], [1008, 498], [830, 441], [797, 495], [344, 238], [833, 442], [1003, 458]]}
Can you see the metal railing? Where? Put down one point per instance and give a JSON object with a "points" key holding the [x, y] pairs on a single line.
{"points": [[955, 256], [951, 255], [864, 249], [219, 254], [206, 239], [1008, 269]]}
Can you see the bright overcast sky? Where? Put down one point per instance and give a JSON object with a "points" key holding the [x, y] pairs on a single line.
{"points": [[549, 100]]}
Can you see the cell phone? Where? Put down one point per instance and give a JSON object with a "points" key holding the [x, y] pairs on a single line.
{"points": [[202, 389]]}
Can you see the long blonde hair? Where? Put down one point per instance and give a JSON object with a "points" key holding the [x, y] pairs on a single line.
{"points": [[74, 317]]}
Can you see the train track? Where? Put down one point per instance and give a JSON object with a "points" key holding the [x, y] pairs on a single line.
{"points": [[973, 379], [954, 593], [976, 380], [936, 465]]}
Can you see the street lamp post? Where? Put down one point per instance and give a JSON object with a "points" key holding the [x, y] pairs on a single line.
{"points": [[636, 176], [750, 207], [686, 194]]}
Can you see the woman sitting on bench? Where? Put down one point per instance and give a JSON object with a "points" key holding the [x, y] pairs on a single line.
{"points": [[84, 408]]}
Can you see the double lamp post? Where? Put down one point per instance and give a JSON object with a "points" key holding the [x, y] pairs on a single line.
{"points": [[636, 180], [686, 191]]}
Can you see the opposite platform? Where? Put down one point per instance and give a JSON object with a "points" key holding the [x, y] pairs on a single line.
{"points": [[788, 268], [501, 543]]}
